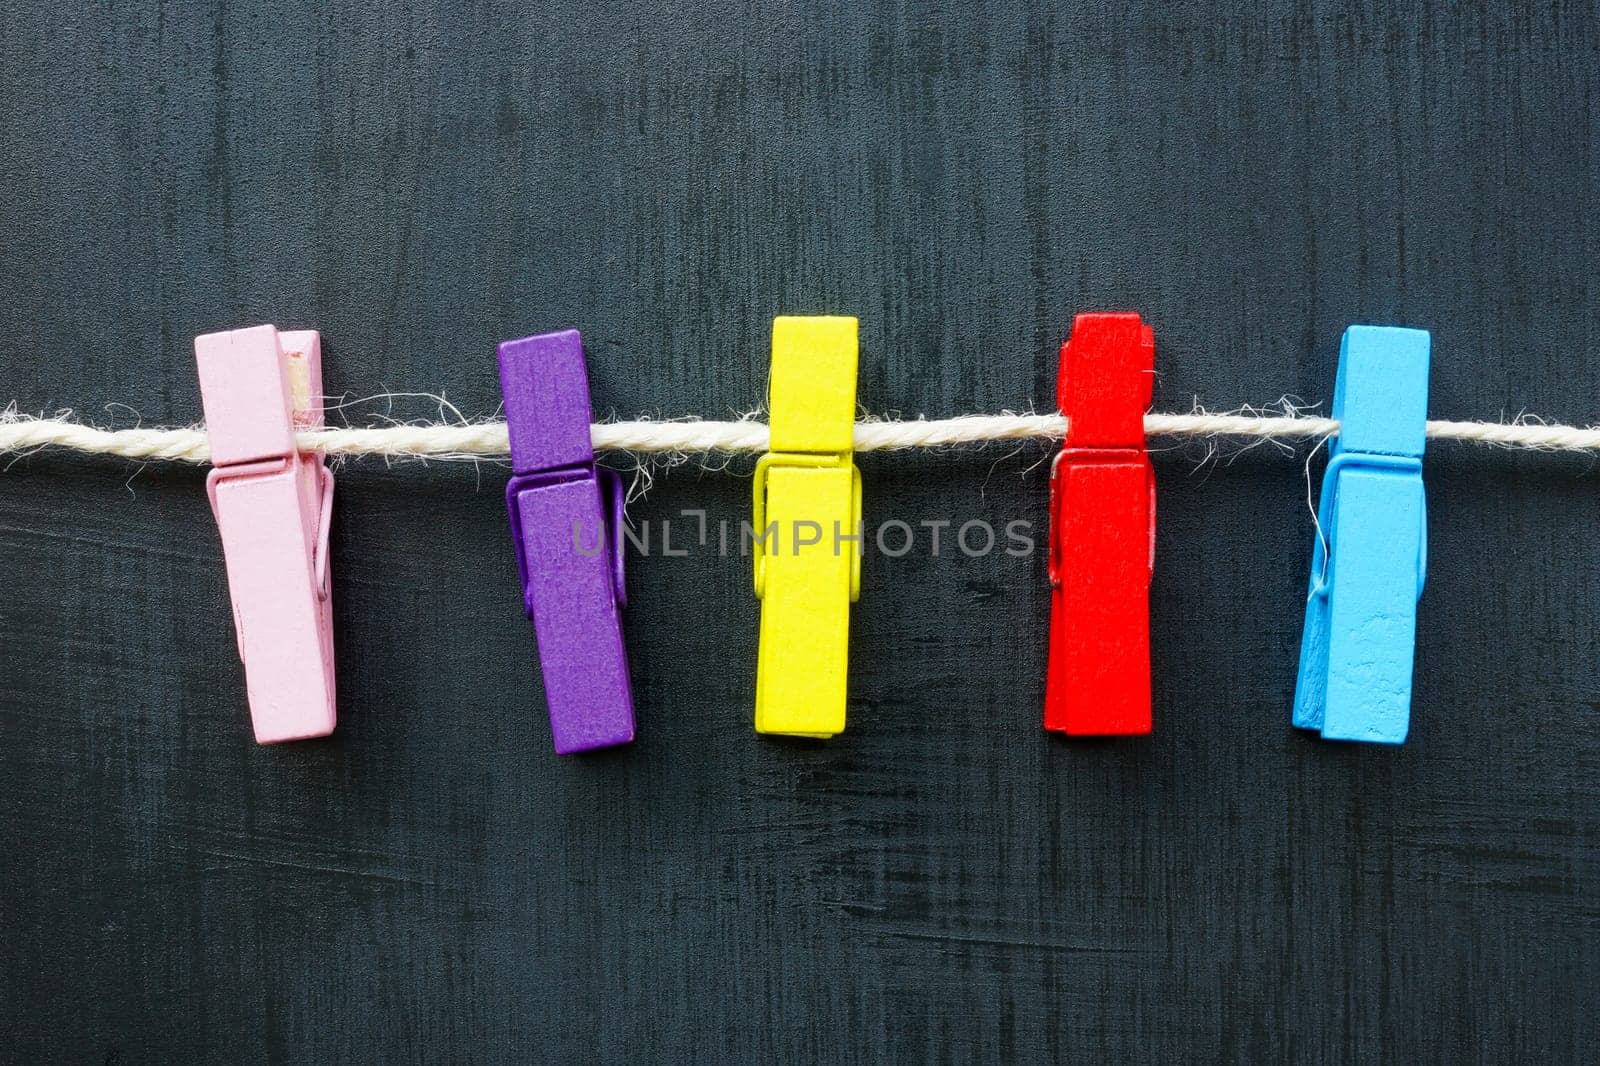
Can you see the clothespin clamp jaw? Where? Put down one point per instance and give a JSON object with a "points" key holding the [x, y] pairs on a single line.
{"points": [[806, 501], [1104, 385], [566, 516], [1369, 558], [273, 505], [1101, 548]]}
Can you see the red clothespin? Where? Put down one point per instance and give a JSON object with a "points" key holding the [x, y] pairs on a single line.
{"points": [[1103, 532], [272, 505]]}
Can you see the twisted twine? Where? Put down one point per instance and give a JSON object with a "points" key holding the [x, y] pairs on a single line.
{"points": [[488, 440]]}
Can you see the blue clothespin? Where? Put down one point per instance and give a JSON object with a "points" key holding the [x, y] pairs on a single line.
{"points": [[1371, 554]]}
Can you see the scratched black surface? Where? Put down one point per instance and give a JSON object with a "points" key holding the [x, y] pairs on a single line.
{"points": [[944, 882]]}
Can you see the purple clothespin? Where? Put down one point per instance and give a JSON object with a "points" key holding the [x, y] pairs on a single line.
{"points": [[566, 521]]}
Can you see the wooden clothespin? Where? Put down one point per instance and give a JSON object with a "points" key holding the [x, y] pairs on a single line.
{"points": [[1370, 557], [1103, 530], [566, 523], [272, 504], [807, 543]]}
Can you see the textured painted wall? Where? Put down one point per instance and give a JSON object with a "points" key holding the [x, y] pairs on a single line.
{"points": [[944, 882]]}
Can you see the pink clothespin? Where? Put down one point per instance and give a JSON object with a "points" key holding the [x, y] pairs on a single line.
{"points": [[272, 505]]}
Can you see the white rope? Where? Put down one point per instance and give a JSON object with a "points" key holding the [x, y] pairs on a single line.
{"points": [[487, 440]]}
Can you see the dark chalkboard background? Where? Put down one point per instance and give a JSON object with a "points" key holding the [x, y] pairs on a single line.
{"points": [[944, 881]]}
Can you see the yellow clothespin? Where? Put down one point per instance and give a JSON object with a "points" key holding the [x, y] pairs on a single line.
{"points": [[807, 538]]}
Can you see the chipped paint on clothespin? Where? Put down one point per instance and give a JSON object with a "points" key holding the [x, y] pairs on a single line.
{"points": [[566, 524], [272, 505], [807, 530], [1103, 529], [1370, 556]]}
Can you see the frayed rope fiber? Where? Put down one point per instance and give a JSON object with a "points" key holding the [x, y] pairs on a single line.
{"points": [[488, 440]]}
